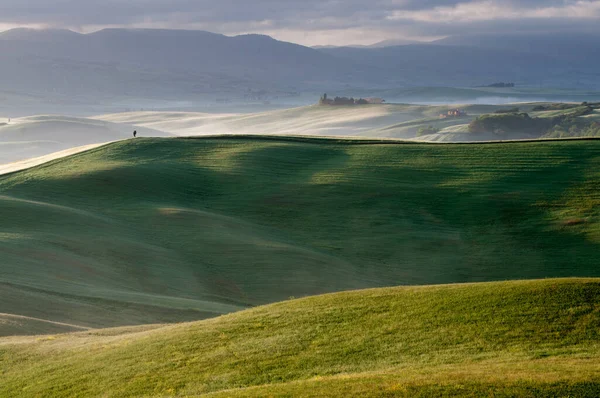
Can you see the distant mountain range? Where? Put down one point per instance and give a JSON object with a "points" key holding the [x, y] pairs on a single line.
{"points": [[123, 63], [564, 46], [143, 62], [383, 43], [546, 60]]}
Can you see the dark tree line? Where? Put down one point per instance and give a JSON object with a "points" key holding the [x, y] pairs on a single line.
{"points": [[502, 123], [501, 85], [342, 101]]}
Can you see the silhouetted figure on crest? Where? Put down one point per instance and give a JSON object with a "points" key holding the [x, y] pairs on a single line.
{"points": [[134, 134]]}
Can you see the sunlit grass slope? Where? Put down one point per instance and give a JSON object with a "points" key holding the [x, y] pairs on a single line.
{"points": [[162, 230], [533, 338]]}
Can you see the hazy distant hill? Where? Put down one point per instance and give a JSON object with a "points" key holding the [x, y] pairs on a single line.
{"points": [[446, 64], [393, 42], [178, 65], [566, 46], [159, 62], [380, 44]]}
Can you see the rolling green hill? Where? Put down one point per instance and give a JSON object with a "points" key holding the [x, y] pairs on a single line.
{"points": [[162, 230], [532, 338]]}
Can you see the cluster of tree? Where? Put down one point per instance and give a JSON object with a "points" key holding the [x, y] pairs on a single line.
{"points": [[566, 130], [502, 123], [426, 130], [555, 107], [501, 85], [509, 110], [324, 100], [509, 122], [580, 111]]}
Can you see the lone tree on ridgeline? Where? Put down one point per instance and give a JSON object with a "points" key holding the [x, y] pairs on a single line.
{"points": [[324, 100]]}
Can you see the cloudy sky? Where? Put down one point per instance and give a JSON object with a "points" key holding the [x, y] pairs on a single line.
{"points": [[311, 22]]}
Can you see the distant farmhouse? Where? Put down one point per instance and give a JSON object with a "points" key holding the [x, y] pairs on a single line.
{"points": [[453, 113], [374, 100], [325, 100]]}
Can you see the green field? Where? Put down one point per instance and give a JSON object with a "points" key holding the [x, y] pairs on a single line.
{"points": [[507, 339], [165, 230]]}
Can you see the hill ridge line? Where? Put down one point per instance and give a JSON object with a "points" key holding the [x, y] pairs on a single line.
{"points": [[370, 141], [46, 160]]}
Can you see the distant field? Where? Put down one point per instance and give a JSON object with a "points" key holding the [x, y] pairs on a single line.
{"points": [[476, 95], [375, 121], [508, 339], [35, 161], [39, 136], [165, 230], [399, 121]]}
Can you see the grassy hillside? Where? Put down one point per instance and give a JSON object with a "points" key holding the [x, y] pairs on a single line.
{"points": [[162, 230], [535, 338]]}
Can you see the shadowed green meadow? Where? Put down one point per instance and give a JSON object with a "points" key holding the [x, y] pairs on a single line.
{"points": [[165, 230]]}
